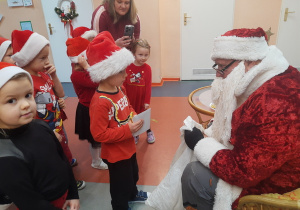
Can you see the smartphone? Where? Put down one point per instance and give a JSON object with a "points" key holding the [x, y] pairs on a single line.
{"points": [[128, 31]]}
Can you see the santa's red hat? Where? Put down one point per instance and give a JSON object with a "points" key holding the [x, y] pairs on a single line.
{"points": [[241, 44], [76, 47], [26, 46], [7, 71], [106, 58], [84, 32], [4, 44]]}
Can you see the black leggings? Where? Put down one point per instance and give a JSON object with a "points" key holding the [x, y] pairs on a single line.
{"points": [[123, 177]]}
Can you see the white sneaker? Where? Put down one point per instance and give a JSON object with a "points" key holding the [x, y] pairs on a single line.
{"points": [[101, 165]]}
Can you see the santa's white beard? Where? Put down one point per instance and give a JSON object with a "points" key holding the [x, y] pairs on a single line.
{"points": [[226, 102]]}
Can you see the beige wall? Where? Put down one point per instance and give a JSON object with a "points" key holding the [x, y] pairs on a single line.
{"points": [[160, 25], [13, 15], [258, 13]]}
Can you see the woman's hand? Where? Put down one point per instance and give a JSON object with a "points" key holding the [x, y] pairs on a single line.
{"points": [[135, 126], [73, 204], [123, 41]]}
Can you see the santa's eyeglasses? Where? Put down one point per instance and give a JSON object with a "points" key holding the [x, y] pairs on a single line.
{"points": [[221, 71]]}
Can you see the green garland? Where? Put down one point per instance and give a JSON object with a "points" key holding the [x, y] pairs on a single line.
{"points": [[68, 16]]}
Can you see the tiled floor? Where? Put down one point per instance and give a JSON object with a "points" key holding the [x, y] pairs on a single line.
{"points": [[169, 108]]}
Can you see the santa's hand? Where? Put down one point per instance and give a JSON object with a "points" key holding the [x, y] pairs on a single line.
{"points": [[192, 137]]}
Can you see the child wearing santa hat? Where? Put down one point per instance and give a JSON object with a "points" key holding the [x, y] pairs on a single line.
{"points": [[6, 51], [111, 115], [84, 89], [27, 146], [31, 52], [84, 32]]}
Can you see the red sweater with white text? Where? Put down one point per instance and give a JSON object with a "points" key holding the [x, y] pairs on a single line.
{"points": [[110, 114]]}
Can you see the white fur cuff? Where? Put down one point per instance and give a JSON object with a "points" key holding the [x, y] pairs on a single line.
{"points": [[206, 148]]}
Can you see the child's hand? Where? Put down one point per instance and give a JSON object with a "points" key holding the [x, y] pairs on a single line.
{"points": [[58, 136], [61, 103], [83, 62], [146, 106], [73, 204], [50, 69], [135, 126]]}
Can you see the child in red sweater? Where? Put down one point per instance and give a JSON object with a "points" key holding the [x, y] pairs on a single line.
{"points": [[111, 114], [138, 82], [31, 51], [85, 89]]}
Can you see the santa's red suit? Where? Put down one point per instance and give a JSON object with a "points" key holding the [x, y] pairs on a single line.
{"points": [[260, 151]]}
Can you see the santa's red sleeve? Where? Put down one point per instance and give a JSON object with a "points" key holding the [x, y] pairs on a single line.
{"points": [[264, 135]]}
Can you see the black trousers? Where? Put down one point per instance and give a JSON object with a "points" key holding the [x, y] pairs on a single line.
{"points": [[123, 177]]}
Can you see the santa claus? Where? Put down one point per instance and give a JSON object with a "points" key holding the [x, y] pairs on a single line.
{"points": [[253, 145]]}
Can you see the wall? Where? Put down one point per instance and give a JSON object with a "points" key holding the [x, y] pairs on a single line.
{"points": [[170, 38], [149, 14], [13, 15], [258, 13], [160, 25]]}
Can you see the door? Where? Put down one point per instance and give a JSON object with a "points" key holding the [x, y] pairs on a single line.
{"points": [[205, 21], [288, 40], [60, 34]]}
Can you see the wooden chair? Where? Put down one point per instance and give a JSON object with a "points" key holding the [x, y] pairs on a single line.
{"points": [[200, 108], [260, 202]]}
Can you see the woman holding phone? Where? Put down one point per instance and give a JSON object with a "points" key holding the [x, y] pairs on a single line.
{"points": [[113, 16]]}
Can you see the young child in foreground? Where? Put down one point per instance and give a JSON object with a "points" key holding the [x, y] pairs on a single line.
{"points": [[111, 114], [6, 51], [35, 173], [138, 81], [31, 51], [84, 89]]}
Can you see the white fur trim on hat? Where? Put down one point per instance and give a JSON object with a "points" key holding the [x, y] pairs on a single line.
{"points": [[74, 59], [30, 50], [115, 63], [240, 48], [8, 72], [206, 148], [89, 34], [3, 48]]}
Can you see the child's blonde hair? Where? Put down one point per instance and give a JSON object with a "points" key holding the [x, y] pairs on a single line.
{"points": [[140, 43], [131, 14]]}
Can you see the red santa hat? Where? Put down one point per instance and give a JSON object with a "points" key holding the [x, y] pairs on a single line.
{"points": [[106, 58], [7, 71], [84, 32], [4, 44], [76, 47], [241, 44], [26, 46]]}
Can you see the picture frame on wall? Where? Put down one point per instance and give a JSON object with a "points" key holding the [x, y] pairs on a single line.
{"points": [[15, 3], [27, 3], [26, 25]]}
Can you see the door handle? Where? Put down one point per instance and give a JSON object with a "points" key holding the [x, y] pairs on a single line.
{"points": [[50, 28], [286, 13], [185, 17]]}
